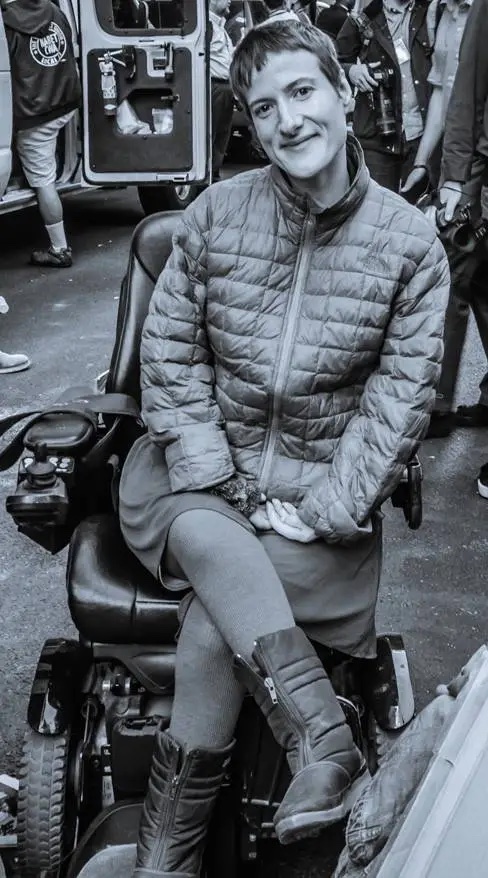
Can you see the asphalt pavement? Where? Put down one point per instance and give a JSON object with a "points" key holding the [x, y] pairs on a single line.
{"points": [[434, 582]]}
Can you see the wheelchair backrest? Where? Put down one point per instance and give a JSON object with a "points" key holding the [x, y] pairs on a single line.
{"points": [[149, 251]]}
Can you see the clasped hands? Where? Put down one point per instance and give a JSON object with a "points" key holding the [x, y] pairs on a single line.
{"points": [[282, 518]]}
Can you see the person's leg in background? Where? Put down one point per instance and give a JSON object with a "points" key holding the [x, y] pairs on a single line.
{"points": [[477, 415], [222, 112], [467, 274], [462, 269], [385, 168], [240, 608], [37, 151]]}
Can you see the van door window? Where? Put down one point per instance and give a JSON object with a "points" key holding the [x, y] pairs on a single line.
{"points": [[154, 16]]}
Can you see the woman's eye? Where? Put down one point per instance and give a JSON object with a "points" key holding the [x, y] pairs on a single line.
{"points": [[303, 91], [262, 110]]}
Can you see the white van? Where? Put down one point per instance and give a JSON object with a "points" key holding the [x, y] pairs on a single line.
{"points": [[145, 117]]}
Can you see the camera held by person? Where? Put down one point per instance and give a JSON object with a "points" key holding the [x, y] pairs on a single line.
{"points": [[381, 99]]}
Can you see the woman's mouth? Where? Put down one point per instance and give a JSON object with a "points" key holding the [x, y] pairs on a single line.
{"points": [[294, 144]]}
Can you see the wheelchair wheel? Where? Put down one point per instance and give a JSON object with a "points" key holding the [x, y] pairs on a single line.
{"points": [[44, 830], [167, 196]]}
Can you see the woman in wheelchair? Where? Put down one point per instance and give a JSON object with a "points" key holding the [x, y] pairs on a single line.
{"points": [[289, 362]]}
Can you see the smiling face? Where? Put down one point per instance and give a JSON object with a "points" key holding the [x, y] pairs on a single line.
{"points": [[300, 117]]}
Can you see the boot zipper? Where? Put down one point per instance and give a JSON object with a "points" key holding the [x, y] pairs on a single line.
{"points": [[285, 349], [288, 708], [169, 813], [270, 686]]}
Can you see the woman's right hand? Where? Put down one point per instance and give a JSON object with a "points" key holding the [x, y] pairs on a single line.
{"points": [[360, 77], [284, 519]]}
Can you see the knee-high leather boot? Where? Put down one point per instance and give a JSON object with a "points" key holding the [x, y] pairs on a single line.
{"points": [[182, 791], [292, 689]]}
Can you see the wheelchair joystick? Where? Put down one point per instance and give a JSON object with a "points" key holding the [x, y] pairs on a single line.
{"points": [[40, 503], [41, 473]]}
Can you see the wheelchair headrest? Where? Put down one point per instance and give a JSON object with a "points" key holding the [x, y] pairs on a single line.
{"points": [[150, 248]]}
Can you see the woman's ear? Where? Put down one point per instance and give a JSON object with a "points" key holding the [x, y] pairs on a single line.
{"points": [[344, 90]]}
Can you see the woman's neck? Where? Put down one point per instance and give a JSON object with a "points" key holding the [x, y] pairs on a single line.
{"points": [[327, 187]]}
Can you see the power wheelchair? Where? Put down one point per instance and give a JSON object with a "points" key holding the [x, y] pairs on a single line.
{"points": [[96, 702]]}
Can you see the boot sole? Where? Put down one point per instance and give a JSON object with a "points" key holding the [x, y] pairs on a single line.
{"points": [[313, 823]]}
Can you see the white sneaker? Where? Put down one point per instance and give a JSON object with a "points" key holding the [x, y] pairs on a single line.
{"points": [[483, 481], [13, 363]]}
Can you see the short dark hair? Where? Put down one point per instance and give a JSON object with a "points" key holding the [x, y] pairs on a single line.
{"points": [[252, 52]]}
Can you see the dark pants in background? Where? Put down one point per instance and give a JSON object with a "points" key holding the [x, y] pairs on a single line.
{"points": [[222, 110], [391, 169], [469, 290]]}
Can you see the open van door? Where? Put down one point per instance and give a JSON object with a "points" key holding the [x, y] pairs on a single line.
{"points": [[145, 91], [6, 112]]}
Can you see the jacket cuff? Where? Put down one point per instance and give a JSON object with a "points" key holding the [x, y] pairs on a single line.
{"points": [[456, 171], [200, 458], [334, 524]]}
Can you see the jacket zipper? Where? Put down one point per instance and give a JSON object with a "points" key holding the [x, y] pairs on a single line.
{"points": [[287, 707], [285, 350], [173, 796]]}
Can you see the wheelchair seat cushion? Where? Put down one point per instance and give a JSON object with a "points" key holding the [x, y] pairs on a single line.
{"points": [[112, 597]]}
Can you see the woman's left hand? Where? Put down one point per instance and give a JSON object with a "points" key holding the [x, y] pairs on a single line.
{"points": [[284, 519]]}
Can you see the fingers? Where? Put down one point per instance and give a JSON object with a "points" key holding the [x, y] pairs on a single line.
{"points": [[290, 508], [285, 510], [413, 178], [450, 198], [363, 84]]}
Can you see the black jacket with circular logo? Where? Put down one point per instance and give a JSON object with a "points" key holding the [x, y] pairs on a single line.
{"points": [[45, 81]]}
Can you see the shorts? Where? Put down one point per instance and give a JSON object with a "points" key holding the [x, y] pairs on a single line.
{"points": [[37, 151]]}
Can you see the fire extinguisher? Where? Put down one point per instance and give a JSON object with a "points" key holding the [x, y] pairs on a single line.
{"points": [[108, 83]]}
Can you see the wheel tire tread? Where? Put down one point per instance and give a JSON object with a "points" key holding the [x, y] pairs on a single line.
{"points": [[42, 792]]}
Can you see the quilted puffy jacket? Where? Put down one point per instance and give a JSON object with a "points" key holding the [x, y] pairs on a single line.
{"points": [[302, 350]]}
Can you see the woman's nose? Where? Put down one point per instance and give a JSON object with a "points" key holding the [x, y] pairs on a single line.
{"points": [[289, 122]]}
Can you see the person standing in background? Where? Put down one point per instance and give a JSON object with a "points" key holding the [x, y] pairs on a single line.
{"points": [[450, 30], [222, 99], [331, 18], [390, 38], [46, 92], [464, 179]]}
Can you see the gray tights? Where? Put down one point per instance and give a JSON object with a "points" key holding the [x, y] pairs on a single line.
{"points": [[238, 597]]}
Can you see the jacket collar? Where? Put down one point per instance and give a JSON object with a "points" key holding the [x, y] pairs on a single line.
{"points": [[295, 206], [375, 8]]}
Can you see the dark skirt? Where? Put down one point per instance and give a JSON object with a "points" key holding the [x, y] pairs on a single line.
{"points": [[332, 589]]}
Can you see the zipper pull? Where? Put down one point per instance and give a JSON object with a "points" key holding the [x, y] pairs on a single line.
{"points": [[174, 786], [270, 686]]}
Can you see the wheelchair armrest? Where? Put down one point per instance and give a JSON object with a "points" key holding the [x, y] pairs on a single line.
{"points": [[408, 493]]}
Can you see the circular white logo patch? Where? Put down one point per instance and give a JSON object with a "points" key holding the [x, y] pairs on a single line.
{"points": [[50, 49]]}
